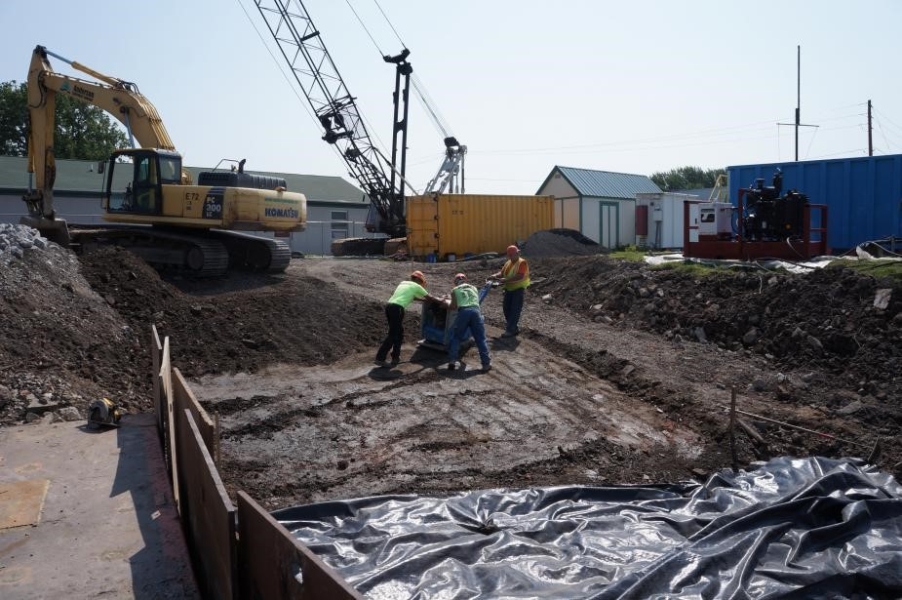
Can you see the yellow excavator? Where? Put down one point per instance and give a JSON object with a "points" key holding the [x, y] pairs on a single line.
{"points": [[154, 207]]}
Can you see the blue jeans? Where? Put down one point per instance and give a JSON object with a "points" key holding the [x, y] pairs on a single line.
{"points": [[513, 306], [468, 318]]}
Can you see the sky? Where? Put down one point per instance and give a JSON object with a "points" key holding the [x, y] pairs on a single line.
{"points": [[639, 86]]}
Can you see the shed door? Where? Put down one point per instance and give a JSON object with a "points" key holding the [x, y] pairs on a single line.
{"points": [[609, 224]]}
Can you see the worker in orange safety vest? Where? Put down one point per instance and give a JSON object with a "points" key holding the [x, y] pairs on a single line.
{"points": [[514, 277]]}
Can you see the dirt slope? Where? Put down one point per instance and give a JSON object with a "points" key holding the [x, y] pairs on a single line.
{"points": [[618, 377]]}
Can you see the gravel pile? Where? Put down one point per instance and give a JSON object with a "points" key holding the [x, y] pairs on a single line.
{"points": [[16, 239], [559, 242]]}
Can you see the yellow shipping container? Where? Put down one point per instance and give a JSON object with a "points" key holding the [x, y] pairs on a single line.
{"points": [[461, 224]]}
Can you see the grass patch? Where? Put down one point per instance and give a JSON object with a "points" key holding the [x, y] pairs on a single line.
{"points": [[689, 267], [890, 269], [629, 254]]}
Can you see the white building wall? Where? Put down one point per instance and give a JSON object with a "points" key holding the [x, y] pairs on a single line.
{"points": [[590, 213], [609, 221], [668, 231], [567, 213]]}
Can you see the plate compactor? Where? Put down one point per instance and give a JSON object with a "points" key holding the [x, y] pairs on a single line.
{"points": [[438, 323], [103, 413]]}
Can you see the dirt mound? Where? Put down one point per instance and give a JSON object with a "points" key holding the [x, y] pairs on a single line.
{"points": [[62, 344], [76, 329], [250, 322], [559, 242], [823, 325]]}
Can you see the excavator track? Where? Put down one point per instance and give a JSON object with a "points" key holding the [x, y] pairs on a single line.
{"points": [[253, 253], [193, 255], [196, 254]]}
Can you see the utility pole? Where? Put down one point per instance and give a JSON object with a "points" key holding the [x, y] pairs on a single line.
{"points": [[798, 122], [798, 96], [870, 131]]}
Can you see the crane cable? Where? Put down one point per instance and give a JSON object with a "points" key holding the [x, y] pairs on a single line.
{"points": [[291, 83], [418, 85]]}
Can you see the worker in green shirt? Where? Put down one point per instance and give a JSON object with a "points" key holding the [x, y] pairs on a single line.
{"points": [[405, 293], [465, 299]]}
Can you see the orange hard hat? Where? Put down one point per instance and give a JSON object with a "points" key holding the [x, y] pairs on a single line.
{"points": [[512, 249], [418, 275], [460, 277]]}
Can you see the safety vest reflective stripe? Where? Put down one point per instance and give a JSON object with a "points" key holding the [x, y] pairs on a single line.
{"points": [[511, 268]]}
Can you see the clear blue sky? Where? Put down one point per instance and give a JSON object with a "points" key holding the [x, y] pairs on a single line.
{"points": [[637, 87]]}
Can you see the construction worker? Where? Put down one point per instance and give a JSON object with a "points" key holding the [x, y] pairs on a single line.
{"points": [[514, 277], [405, 293], [465, 299]]}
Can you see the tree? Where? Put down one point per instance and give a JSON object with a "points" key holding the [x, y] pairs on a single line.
{"points": [[687, 178], [82, 132], [13, 119]]}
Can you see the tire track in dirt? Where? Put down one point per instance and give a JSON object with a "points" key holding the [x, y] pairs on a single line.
{"points": [[337, 425]]}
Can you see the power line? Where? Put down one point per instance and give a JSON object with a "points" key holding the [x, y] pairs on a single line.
{"points": [[883, 128], [886, 117], [844, 152], [883, 132]]}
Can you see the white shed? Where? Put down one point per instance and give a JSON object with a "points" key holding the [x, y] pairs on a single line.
{"points": [[599, 204]]}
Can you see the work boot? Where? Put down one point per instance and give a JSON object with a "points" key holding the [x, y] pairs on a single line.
{"points": [[486, 368], [395, 361], [452, 365], [380, 363]]}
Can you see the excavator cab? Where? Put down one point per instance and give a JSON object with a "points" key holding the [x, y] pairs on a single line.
{"points": [[135, 178]]}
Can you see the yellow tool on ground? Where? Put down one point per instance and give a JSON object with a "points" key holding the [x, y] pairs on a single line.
{"points": [[103, 413]]}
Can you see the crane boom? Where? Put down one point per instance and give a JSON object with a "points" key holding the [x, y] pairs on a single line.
{"points": [[336, 109]]}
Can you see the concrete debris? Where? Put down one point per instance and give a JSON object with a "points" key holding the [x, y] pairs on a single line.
{"points": [[882, 298]]}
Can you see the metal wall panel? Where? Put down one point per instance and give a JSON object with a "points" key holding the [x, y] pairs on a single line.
{"points": [[474, 223], [863, 195]]}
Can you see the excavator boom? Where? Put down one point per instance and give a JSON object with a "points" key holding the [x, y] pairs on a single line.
{"points": [[117, 97], [193, 228]]}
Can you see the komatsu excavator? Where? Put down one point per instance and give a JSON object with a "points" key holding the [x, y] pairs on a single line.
{"points": [[156, 210]]}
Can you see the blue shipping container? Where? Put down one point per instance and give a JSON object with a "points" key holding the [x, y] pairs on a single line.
{"points": [[863, 195]]}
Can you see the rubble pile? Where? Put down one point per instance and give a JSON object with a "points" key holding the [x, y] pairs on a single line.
{"points": [[16, 239], [62, 345]]}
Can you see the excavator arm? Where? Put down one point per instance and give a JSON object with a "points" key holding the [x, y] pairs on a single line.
{"points": [[119, 98]]}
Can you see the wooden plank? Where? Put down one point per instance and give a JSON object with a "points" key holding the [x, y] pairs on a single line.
{"points": [[209, 515], [273, 564], [166, 382], [21, 502], [185, 399], [156, 351]]}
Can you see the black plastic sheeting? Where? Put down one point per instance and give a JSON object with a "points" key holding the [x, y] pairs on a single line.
{"points": [[791, 528]]}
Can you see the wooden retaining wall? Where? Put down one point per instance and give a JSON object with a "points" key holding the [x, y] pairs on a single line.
{"points": [[237, 554]]}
